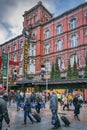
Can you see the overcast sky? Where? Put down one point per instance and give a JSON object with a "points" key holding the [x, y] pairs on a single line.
{"points": [[11, 11]]}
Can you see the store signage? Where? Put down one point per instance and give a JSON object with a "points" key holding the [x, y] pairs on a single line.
{"points": [[4, 64], [25, 56]]}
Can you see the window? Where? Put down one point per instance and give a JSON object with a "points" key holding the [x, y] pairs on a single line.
{"points": [[73, 23], [20, 71], [32, 50], [31, 66], [47, 34], [21, 44], [3, 50], [74, 40], [9, 48], [14, 58], [47, 48], [59, 45], [72, 58], [48, 66], [21, 56], [15, 47], [59, 29], [61, 63]]}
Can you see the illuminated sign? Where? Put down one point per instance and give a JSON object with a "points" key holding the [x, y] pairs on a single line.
{"points": [[25, 56]]}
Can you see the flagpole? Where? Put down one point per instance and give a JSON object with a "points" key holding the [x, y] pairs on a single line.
{"points": [[7, 72]]}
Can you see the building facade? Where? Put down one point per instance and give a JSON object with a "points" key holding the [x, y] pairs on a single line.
{"points": [[64, 36]]}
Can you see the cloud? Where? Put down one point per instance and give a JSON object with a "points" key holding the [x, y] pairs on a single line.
{"points": [[11, 11]]}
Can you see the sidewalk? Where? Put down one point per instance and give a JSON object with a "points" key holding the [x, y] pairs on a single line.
{"points": [[17, 119]]}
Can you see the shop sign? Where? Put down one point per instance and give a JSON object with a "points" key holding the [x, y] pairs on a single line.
{"points": [[25, 56]]}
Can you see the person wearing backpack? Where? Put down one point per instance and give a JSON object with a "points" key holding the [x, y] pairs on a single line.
{"points": [[3, 111]]}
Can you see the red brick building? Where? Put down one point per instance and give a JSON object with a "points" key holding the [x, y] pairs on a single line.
{"points": [[64, 36]]}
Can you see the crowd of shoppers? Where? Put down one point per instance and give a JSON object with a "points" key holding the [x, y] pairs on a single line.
{"points": [[37, 101]]}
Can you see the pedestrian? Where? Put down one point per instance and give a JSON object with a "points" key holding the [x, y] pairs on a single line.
{"points": [[18, 100], [3, 110], [66, 103], [77, 107], [27, 109], [54, 108]]}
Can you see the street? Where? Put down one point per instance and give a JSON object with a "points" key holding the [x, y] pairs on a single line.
{"points": [[45, 124]]}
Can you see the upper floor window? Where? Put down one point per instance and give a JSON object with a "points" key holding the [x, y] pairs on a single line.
{"points": [[47, 34], [3, 50], [14, 58], [61, 63], [20, 70], [47, 48], [74, 40], [73, 23], [21, 44], [48, 66], [9, 48], [32, 50], [31, 66], [59, 45], [21, 56], [59, 29], [15, 47], [72, 59]]}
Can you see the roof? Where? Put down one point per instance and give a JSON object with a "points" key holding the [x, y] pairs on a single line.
{"points": [[35, 7]]}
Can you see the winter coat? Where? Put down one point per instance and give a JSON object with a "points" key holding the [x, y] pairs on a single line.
{"points": [[27, 106], [54, 102], [4, 111]]}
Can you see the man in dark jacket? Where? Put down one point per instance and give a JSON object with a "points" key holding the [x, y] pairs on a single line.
{"points": [[3, 110], [27, 108], [54, 109]]}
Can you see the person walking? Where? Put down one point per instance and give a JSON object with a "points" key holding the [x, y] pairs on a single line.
{"points": [[77, 106], [27, 109], [18, 100], [3, 111], [66, 103], [54, 109]]}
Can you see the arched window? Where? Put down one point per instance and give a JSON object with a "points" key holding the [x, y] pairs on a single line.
{"points": [[74, 40], [73, 23], [47, 48], [59, 45], [59, 29], [72, 58], [47, 34], [48, 66]]}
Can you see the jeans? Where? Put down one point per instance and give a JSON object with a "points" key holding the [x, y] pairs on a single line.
{"points": [[0, 125], [26, 114]]}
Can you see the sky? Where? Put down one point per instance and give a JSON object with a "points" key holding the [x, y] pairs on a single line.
{"points": [[11, 14]]}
